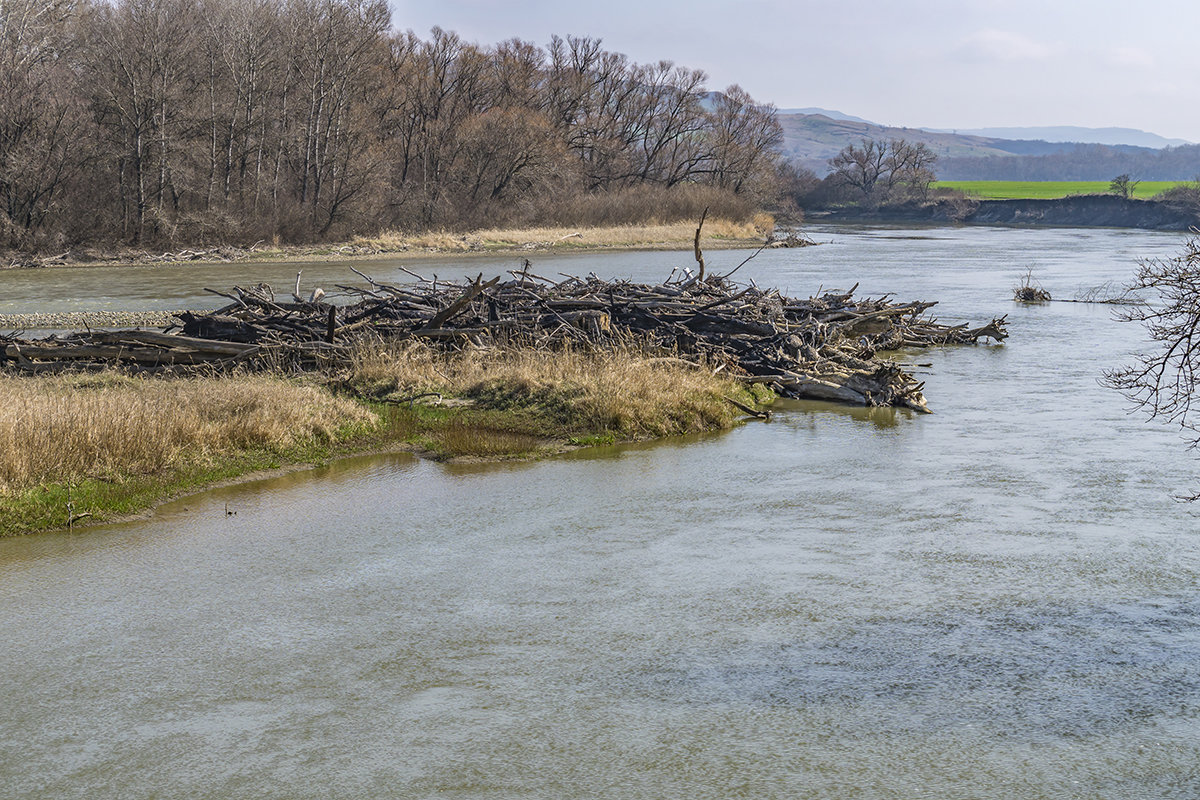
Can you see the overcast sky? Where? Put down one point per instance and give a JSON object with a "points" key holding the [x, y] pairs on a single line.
{"points": [[916, 63]]}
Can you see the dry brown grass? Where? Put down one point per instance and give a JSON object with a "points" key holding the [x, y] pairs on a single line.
{"points": [[68, 428], [627, 391], [676, 234]]}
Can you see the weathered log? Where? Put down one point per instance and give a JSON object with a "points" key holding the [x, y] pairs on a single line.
{"points": [[113, 353], [458, 305], [196, 344], [222, 327]]}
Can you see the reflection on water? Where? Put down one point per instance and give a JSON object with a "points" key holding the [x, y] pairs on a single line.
{"points": [[815, 411], [1000, 599]]}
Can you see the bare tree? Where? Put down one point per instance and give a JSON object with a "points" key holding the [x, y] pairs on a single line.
{"points": [[574, 71], [243, 74], [432, 91], [606, 127], [860, 167], [1164, 382], [1123, 186], [139, 71], [909, 169], [518, 75], [507, 153], [335, 47], [39, 120], [670, 123], [885, 171], [745, 138]]}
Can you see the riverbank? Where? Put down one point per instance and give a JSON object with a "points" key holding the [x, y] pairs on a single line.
{"points": [[83, 449], [718, 234], [1087, 211], [82, 320]]}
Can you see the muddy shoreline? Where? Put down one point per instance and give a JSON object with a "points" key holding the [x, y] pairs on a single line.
{"points": [[1087, 211]]}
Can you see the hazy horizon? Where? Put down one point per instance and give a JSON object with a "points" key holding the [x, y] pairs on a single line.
{"points": [[925, 63]]}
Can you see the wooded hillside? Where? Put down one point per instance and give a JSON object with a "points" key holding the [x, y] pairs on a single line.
{"points": [[1083, 162]]}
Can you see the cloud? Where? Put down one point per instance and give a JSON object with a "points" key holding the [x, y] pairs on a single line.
{"points": [[998, 45], [1130, 58]]}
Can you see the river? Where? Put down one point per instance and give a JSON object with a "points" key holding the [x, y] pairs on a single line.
{"points": [[1001, 599]]}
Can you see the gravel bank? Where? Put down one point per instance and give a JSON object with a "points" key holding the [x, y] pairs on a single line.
{"points": [[80, 320]]}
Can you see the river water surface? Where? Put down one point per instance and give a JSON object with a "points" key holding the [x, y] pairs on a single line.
{"points": [[999, 600]]}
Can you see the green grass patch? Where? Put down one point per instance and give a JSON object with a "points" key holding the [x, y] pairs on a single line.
{"points": [[1048, 190], [468, 432], [595, 440]]}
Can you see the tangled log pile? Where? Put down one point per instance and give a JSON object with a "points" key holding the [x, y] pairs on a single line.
{"points": [[824, 347]]}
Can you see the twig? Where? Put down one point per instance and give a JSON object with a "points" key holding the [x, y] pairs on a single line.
{"points": [[765, 415], [749, 258]]}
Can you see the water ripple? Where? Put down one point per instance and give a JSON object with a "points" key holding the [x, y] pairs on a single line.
{"points": [[1026, 672]]}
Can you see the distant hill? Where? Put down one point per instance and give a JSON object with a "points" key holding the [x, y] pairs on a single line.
{"points": [[810, 140], [1072, 133], [825, 112]]}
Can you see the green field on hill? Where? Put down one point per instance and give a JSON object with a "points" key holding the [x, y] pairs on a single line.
{"points": [[1046, 190]]}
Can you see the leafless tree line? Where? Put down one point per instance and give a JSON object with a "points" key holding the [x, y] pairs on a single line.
{"points": [[199, 120], [885, 172]]}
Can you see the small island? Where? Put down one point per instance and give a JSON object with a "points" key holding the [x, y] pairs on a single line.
{"points": [[487, 369]]}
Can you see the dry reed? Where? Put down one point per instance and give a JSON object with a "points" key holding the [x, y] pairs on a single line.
{"points": [[67, 428], [650, 235], [626, 391]]}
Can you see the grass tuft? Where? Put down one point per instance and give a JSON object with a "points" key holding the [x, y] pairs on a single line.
{"points": [[626, 391]]}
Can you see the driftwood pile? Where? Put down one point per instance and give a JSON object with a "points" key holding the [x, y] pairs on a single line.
{"points": [[792, 239], [1030, 291], [823, 347]]}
